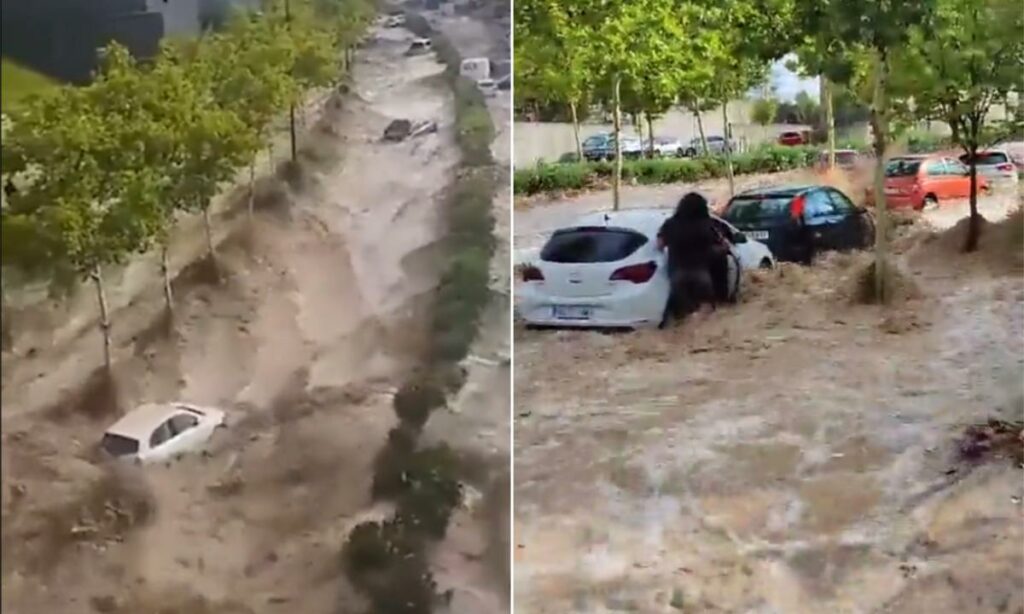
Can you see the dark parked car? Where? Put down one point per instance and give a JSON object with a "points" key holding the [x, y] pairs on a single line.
{"points": [[798, 222]]}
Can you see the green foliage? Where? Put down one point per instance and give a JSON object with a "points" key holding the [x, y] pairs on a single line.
{"points": [[763, 112], [577, 176], [415, 400]]}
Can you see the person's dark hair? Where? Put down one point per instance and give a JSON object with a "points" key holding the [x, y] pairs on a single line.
{"points": [[692, 206]]}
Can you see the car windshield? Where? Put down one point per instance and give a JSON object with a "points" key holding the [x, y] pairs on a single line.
{"points": [[584, 245], [902, 167], [594, 141], [990, 158], [754, 208], [119, 445]]}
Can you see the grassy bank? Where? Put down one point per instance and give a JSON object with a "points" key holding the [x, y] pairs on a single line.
{"points": [[20, 83], [387, 561]]}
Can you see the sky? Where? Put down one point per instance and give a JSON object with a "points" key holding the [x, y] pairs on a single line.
{"points": [[788, 84]]}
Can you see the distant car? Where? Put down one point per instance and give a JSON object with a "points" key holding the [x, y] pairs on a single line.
{"points": [[666, 147], [796, 223], [487, 86], [846, 159], [160, 432], [606, 270], [922, 182], [420, 46], [792, 138], [996, 166], [602, 147], [716, 145]]}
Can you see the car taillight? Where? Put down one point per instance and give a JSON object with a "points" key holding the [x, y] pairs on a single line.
{"points": [[532, 273], [1005, 167], [635, 273], [796, 207]]}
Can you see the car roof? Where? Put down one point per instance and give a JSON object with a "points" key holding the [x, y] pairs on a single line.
{"points": [[141, 421], [647, 220], [778, 191]]}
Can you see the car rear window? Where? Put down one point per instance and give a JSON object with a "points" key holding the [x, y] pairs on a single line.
{"points": [[752, 208], [902, 167], [987, 158], [119, 445], [581, 245]]}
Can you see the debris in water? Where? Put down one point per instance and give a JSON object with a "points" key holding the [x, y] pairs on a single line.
{"points": [[397, 130], [994, 439]]}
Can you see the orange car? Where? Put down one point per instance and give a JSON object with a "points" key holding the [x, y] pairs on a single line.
{"points": [[922, 182]]}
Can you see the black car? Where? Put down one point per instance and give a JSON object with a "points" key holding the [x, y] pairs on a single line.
{"points": [[798, 222]]}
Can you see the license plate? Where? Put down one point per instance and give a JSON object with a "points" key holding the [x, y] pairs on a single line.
{"points": [[758, 235], [893, 191], [572, 312]]}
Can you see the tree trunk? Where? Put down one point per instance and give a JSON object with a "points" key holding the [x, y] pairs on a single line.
{"points": [[728, 149], [270, 154], [880, 126], [209, 232], [617, 121], [974, 224], [252, 187], [830, 123], [5, 324], [165, 269], [576, 131], [101, 296], [291, 132], [650, 133], [700, 131]]}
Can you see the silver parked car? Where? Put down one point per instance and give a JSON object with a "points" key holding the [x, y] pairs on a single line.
{"points": [[716, 145], [666, 147], [995, 165]]}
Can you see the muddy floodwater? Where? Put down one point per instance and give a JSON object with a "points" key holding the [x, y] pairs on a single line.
{"points": [[794, 453]]}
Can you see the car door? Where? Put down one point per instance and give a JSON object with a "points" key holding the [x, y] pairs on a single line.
{"points": [[160, 443], [851, 230], [959, 178], [821, 220]]}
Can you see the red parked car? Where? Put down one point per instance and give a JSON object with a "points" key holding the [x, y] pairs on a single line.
{"points": [[792, 139], [922, 182]]}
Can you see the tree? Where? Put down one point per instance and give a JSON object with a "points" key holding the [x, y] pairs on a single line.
{"points": [[551, 59], [970, 58], [624, 41], [95, 204], [248, 70], [880, 27], [764, 110]]}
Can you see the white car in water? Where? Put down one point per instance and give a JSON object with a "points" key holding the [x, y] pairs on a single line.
{"points": [[606, 270], [160, 432]]}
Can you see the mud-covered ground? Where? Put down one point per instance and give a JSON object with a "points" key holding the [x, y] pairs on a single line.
{"points": [[318, 318], [795, 453]]}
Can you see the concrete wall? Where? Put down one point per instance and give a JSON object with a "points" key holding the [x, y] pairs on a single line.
{"points": [[549, 141]]}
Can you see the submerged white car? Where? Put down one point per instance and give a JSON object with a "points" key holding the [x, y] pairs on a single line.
{"points": [[606, 271], [159, 432]]}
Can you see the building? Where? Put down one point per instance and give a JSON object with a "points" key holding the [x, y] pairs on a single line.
{"points": [[61, 38]]}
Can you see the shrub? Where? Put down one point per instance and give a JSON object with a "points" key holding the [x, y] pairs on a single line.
{"points": [[576, 176], [415, 400]]}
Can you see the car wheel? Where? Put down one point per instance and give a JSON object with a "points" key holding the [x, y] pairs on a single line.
{"points": [[930, 203], [680, 153], [766, 264], [691, 152]]}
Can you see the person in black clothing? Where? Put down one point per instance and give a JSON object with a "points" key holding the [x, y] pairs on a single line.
{"points": [[697, 265]]}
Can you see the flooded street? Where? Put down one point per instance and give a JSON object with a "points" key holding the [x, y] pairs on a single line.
{"points": [[793, 453]]}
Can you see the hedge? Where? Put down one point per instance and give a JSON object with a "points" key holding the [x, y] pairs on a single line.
{"points": [[576, 175]]}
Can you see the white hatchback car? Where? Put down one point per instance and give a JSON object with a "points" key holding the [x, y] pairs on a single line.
{"points": [[607, 271], [995, 165], [160, 432]]}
